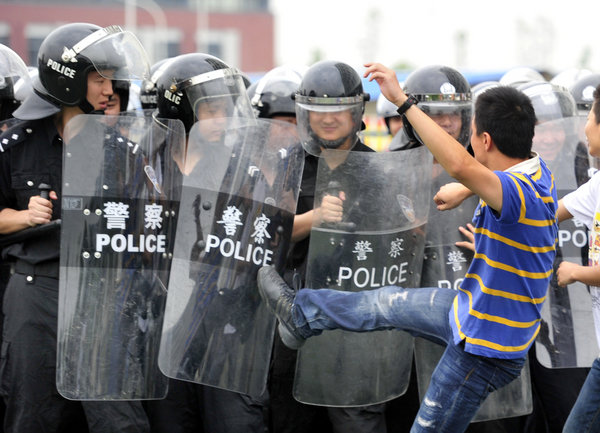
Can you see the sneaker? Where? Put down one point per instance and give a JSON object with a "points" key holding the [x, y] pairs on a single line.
{"points": [[280, 300]]}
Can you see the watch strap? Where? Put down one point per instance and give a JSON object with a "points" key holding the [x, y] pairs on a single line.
{"points": [[407, 104]]}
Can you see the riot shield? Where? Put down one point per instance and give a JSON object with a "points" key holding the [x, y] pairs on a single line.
{"points": [[116, 246], [378, 243], [445, 265], [237, 206], [567, 336]]}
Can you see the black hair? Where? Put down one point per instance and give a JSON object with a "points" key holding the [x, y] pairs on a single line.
{"points": [[506, 114]]}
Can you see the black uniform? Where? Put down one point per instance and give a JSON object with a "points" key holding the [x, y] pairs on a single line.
{"points": [[287, 414], [30, 154]]}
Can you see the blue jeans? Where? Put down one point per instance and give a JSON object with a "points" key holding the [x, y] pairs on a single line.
{"points": [[461, 381], [585, 415]]}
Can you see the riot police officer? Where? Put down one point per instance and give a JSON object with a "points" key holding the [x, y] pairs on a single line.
{"points": [[557, 141], [12, 70], [76, 64], [330, 103], [203, 92]]}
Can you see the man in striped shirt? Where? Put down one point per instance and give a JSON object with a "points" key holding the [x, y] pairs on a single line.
{"points": [[489, 324]]}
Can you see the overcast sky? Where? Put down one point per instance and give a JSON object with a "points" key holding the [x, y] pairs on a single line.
{"points": [[465, 34]]}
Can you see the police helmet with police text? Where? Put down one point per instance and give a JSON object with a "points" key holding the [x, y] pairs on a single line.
{"points": [[71, 51]]}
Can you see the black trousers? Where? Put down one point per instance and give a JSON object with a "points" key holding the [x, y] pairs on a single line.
{"points": [[194, 408], [28, 369]]}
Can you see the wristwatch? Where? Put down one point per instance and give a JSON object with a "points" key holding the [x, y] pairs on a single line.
{"points": [[407, 104]]}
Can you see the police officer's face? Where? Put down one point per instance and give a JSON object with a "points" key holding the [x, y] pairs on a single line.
{"points": [[331, 125], [549, 139], [396, 124], [450, 122], [212, 116], [285, 118], [99, 90]]}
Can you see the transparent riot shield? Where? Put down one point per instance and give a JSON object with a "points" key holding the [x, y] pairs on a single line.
{"points": [[445, 265], [379, 242], [116, 245], [567, 337], [237, 206]]}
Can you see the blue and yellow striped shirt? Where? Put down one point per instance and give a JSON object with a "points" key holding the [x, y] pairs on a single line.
{"points": [[497, 309]]}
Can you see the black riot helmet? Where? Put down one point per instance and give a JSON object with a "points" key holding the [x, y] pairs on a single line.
{"points": [[12, 69], [273, 94], [582, 91], [328, 87], [71, 51], [445, 92], [193, 79], [550, 101]]}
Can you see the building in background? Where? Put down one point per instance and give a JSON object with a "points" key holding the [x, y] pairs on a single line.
{"points": [[240, 32]]}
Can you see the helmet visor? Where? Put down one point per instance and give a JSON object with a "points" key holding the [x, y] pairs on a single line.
{"points": [[217, 94], [328, 126], [115, 54], [551, 102], [453, 117], [12, 68]]}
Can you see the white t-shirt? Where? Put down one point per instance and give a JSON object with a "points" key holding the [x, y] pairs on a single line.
{"points": [[584, 204]]}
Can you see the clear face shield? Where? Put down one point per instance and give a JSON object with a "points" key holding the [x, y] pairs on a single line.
{"points": [[329, 123], [116, 54], [217, 94], [12, 69], [551, 102], [452, 115], [216, 99]]}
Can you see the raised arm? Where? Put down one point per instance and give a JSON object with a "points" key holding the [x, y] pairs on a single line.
{"points": [[447, 151]]}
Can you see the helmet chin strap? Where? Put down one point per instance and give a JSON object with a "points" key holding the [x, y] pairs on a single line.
{"points": [[88, 108]]}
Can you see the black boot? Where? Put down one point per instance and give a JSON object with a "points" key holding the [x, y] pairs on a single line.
{"points": [[280, 299]]}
